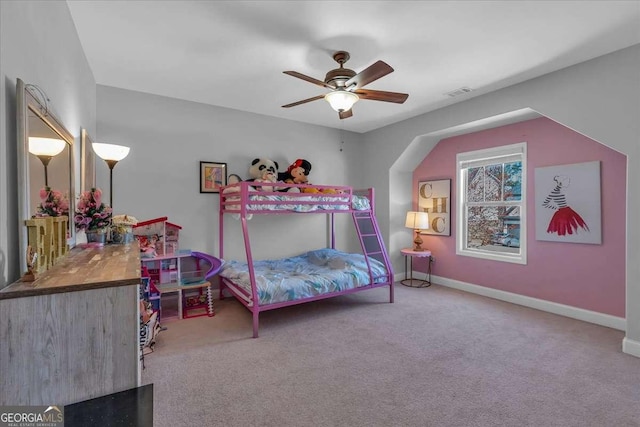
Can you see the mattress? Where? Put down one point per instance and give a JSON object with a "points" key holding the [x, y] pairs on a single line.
{"points": [[306, 203], [308, 275]]}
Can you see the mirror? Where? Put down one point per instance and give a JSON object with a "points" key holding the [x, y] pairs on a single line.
{"points": [[87, 162], [40, 132]]}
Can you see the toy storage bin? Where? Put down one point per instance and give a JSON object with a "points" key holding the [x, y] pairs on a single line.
{"points": [[192, 271], [183, 283]]}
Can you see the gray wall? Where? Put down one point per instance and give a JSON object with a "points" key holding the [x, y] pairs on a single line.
{"points": [[39, 45], [169, 137]]}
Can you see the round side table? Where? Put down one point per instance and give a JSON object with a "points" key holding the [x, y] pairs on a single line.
{"points": [[409, 254]]}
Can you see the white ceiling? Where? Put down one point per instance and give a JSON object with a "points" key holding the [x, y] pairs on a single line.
{"points": [[232, 53]]}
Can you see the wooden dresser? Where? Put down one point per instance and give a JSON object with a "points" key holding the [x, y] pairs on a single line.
{"points": [[72, 334]]}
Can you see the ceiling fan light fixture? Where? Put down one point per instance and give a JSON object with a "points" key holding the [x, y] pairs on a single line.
{"points": [[341, 100], [347, 86]]}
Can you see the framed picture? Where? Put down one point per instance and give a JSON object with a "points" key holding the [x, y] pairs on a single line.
{"points": [[568, 207], [434, 197], [213, 175]]}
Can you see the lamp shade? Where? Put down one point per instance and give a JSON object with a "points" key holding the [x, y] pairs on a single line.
{"points": [[110, 151], [46, 146], [341, 100], [417, 220]]}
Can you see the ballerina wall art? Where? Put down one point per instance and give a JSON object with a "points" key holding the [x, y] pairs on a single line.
{"points": [[567, 203]]}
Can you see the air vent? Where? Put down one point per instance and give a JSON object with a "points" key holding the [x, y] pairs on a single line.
{"points": [[458, 92]]}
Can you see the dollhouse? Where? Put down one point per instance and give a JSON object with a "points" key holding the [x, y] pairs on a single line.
{"points": [[158, 234]]}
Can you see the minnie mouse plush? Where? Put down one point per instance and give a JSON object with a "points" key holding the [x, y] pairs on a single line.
{"points": [[297, 172]]}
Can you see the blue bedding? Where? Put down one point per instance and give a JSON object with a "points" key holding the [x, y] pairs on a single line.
{"points": [[311, 274]]}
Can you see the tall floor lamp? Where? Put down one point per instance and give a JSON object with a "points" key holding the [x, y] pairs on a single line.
{"points": [[111, 154], [417, 221], [46, 149]]}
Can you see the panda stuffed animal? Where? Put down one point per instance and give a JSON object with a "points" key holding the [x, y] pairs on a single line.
{"points": [[261, 167], [264, 170]]}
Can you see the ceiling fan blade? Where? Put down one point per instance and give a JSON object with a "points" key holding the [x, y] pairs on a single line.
{"points": [[379, 95], [345, 114], [309, 79], [370, 74], [304, 101]]}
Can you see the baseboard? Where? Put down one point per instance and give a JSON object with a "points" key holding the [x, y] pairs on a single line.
{"points": [[399, 276], [631, 347], [614, 322]]}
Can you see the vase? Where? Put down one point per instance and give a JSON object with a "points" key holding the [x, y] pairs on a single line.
{"points": [[121, 235], [96, 236]]}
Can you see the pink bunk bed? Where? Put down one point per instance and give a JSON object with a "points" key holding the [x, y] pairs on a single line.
{"points": [[262, 285]]}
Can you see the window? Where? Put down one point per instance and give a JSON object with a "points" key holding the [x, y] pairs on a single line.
{"points": [[492, 203]]}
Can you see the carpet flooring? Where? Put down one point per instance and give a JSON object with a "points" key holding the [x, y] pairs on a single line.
{"points": [[435, 357]]}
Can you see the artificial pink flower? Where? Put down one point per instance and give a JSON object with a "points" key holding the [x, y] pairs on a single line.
{"points": [[44, 193], [54, 203], [97, 196], [91, 213]]}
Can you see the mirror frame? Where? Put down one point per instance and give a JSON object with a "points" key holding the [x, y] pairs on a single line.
{"points": [[87, 162], [26, 103]]}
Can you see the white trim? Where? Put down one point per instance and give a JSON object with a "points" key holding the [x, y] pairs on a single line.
{"points": [[614, 322], [480, 156], [491, 160], [503, 151], [496, 256], [400, 276], [631, 347]]}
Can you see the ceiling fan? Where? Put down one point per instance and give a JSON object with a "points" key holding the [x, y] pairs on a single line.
{"points": [[346, 86]]}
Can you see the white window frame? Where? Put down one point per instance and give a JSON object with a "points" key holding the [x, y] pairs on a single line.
{"points": [[488, 156]]}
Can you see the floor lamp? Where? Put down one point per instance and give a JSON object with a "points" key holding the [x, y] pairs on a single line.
{"points": [[46, 149], [111, 154]]}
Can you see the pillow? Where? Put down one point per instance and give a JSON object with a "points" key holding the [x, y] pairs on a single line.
{"points": [[316, 259], [321, 259], [337, 263]]}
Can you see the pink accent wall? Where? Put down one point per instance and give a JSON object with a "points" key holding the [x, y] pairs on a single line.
{"points": [[587, 276]]}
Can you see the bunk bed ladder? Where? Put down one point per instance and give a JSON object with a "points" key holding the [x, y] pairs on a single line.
{"points": [[372, 244]]}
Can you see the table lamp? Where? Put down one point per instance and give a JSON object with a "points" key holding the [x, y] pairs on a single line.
{"points": [[417, 221], [46, 149], [112, 154]]}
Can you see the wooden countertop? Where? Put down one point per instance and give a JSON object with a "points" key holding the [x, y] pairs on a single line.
{"points": [[83, 269]]}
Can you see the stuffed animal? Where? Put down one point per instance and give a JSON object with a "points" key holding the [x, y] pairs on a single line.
{"points": [[264, 171], [261, 166], [266, 177], [298, 173], [228, 191], [233, 179]]}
